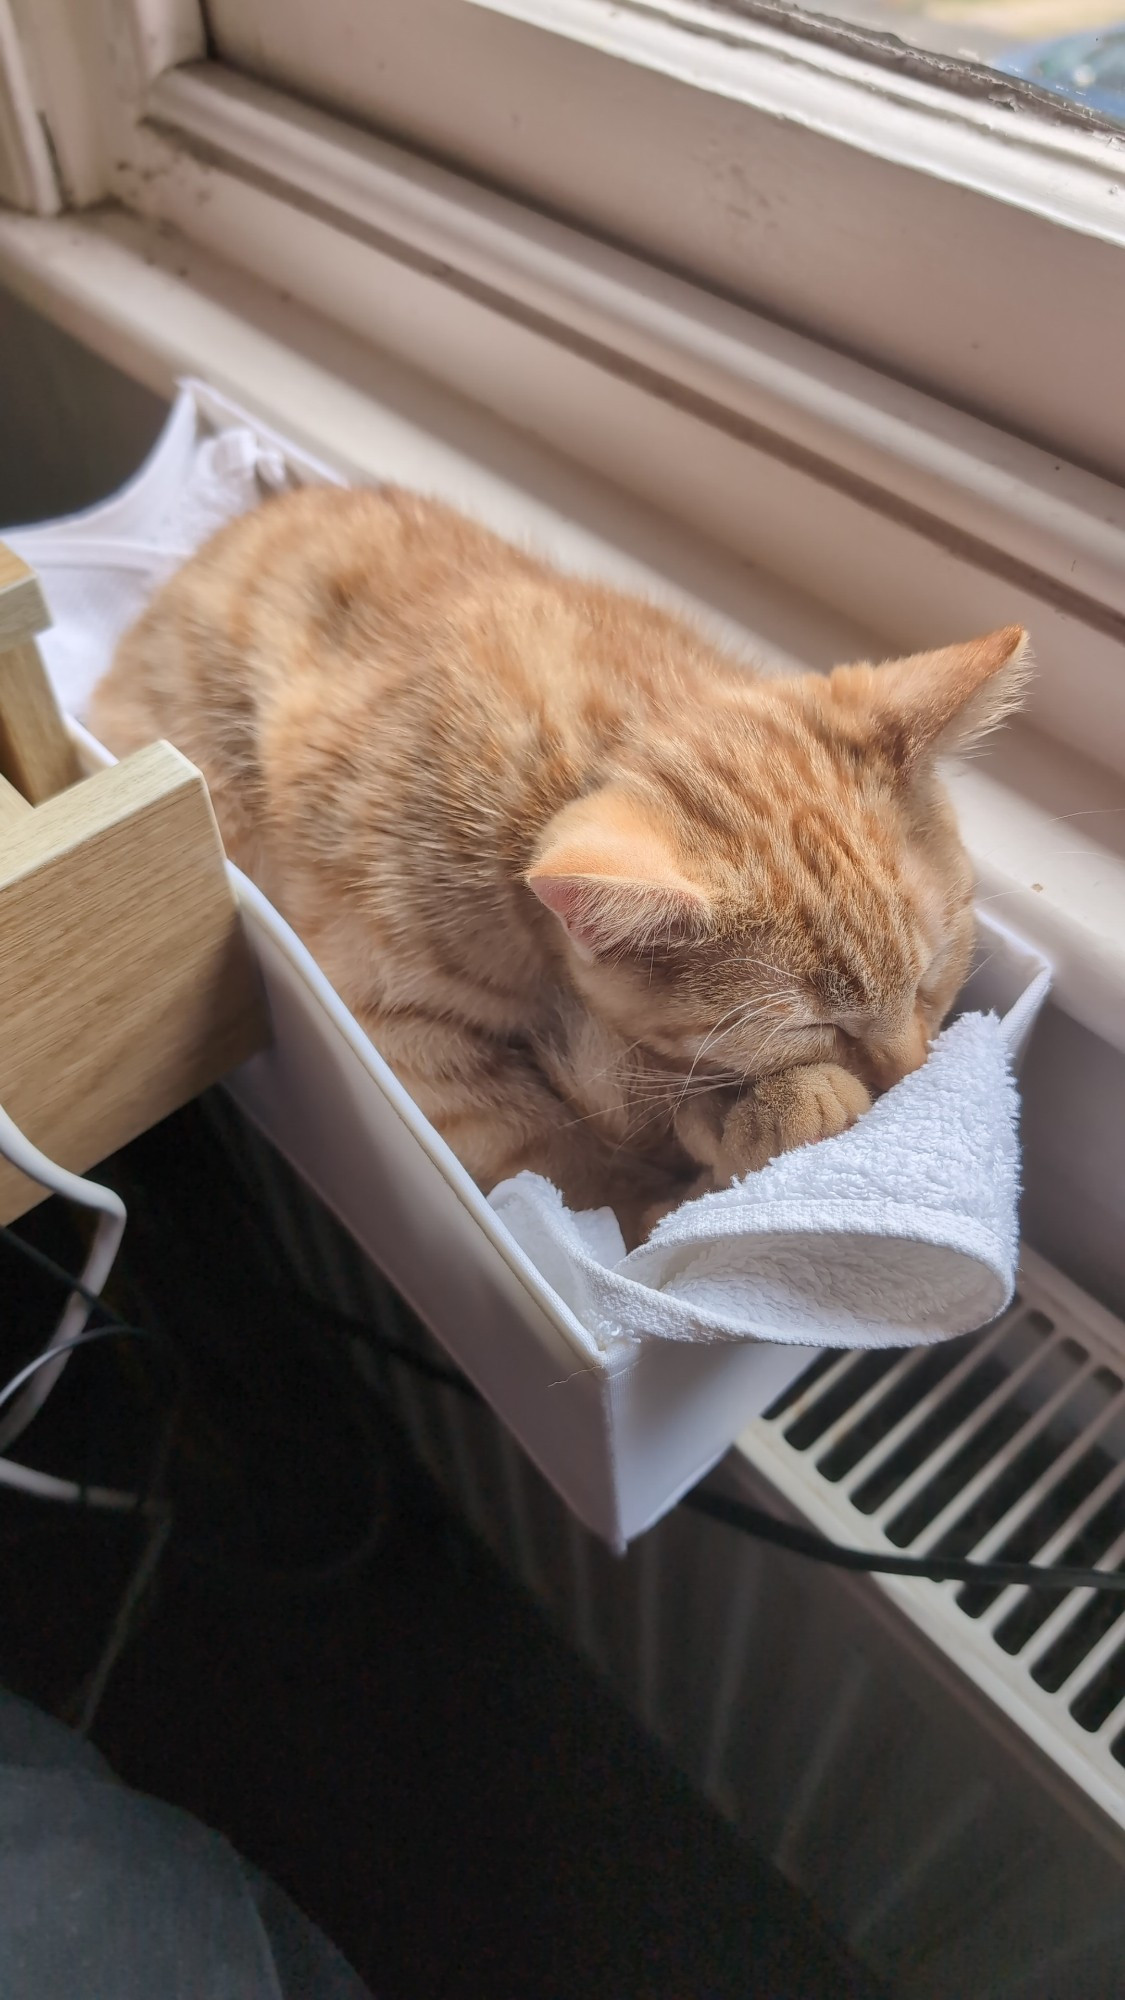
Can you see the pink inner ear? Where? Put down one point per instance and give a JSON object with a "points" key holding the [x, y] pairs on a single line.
{"points": [[601, 913], [609, 873], [569, 897]]}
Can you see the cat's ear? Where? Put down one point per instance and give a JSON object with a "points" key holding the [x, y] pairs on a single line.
{"points": [[607, 871], [939, 703]]}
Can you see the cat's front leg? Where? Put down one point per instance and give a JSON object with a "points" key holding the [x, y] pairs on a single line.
{"points": [[775, 1114], [699, 1123], [500, 1115]]}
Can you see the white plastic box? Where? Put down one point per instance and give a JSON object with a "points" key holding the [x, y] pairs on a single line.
{"points": [[620, 1433]]}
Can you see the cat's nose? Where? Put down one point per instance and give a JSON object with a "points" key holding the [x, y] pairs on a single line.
{"points": [[895, 1056]]}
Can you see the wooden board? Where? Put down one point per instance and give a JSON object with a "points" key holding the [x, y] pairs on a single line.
{"points": [[23, 610], [126, 983], [13, 805], [37, 755]]}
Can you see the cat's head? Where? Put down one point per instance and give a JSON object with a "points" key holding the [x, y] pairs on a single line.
{"points": [[782, 881]]}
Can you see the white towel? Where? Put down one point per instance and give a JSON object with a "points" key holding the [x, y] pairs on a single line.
{"points": [[901, 1231]]}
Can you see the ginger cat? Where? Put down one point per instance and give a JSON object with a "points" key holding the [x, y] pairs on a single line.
{"points": [[613, 908]]}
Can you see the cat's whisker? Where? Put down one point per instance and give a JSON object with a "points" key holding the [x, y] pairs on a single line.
{"points": [[658, 1103], [664, 1109], [745, 1012], [673, 1100], [616, 1062], [750, 1015], [670, 1095], [705, 1045], [764, 1010], [772, 1036], [765, 965]]}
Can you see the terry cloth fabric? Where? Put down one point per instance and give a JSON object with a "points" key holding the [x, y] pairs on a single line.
{"points": [[901, 1231]]}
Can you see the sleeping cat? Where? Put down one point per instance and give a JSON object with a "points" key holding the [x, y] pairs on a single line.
{"points": [[613, 908]]}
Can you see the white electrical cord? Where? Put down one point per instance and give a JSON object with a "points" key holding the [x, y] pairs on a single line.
{"points": [[109, 1208], [159, 1517], [45, 1486]]}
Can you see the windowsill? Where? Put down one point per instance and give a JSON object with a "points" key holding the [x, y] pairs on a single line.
{"points": [[1045, 825]]}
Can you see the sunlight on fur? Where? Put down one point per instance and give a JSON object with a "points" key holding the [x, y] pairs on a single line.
{"points": [[614, 908]]}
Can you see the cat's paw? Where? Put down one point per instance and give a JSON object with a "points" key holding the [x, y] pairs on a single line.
{"points": [[794, 1108]]}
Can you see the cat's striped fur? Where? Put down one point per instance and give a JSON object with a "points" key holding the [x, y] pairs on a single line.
{"points": [[613, 907]]}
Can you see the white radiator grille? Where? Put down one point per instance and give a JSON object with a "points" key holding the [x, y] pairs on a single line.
{"points": [[957, 1858], [1007, 1444]]}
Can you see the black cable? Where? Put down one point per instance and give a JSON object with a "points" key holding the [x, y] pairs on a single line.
{"points": [[62, 1276], [147, 1506], [112, 1329], [396, 1350], [767, 1527], [938, 1569], [295, 1576], [343, 1322], [732, 1513]]}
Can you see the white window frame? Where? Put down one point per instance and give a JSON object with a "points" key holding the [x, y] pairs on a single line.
{"points": [[968, 243], [898, 511]]}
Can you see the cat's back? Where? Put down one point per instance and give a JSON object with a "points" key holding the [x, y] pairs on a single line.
{"points": [[311, 583], [319, 568], [331, 616]]}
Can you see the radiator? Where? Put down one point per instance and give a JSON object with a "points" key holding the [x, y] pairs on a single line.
{"points": [[941, 1769]]}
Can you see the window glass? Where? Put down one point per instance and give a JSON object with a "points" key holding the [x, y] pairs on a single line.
{"points": [[1073, 48]]}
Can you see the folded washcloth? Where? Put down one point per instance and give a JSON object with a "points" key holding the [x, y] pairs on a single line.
{"points": [[901, 1231]]}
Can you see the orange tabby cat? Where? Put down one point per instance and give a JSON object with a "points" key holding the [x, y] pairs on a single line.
{"points": [[613, 908]]}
